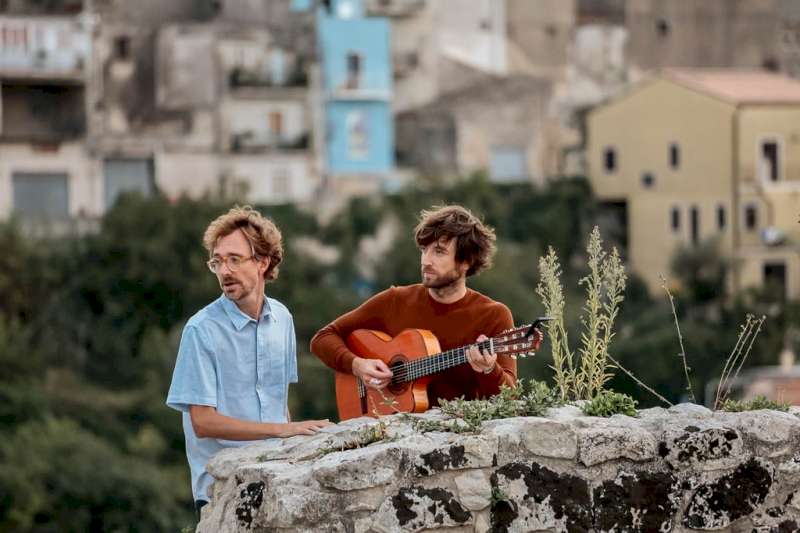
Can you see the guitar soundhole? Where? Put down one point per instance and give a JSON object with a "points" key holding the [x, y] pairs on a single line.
{"points": [[398, 384]]}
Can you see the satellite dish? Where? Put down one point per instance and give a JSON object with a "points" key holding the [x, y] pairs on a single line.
{"points": [[772, 236]]}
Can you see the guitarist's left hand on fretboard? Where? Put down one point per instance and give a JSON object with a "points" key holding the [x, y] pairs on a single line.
{"points": [[482, 358]]}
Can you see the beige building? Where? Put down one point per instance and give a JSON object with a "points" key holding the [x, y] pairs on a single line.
{"points": [[718, 33], [693, 155]]}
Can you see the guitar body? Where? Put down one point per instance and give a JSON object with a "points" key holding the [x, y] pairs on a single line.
{"points": [[409, 397]]}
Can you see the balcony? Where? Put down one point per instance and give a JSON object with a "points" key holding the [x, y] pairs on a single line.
{"points": [[44, 48], [393, 8], [258, 142], [240, 77], [42, 112]]}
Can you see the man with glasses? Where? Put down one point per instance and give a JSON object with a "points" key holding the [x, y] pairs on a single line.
{"points": [[237, 355]]}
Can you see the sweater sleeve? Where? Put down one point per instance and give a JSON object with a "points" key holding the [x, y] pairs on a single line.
{"points": [[329, 342], [505, 371]]}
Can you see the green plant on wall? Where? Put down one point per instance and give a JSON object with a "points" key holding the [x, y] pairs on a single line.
{"points": [[584, 377], [608, 403]]}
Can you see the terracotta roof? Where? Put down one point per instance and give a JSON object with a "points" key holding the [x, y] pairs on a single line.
{"points": [[739, 86]]}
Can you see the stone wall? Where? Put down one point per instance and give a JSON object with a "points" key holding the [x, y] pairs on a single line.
{"points": [[681, 469]]}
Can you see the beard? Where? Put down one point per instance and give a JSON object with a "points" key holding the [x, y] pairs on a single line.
{"points": [[234, 289], [440, 282]]}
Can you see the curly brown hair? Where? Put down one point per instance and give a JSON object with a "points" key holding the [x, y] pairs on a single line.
{"points": [[474, 241], [263, 234]]}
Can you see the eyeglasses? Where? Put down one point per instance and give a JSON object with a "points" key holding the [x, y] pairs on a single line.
{"points": [[233, 262]]}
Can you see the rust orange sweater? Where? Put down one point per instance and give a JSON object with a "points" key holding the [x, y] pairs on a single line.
{"points": [[455, 325]]}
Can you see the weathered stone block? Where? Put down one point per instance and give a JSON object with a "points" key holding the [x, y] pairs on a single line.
{"points": [[360, 468], [772, 433], [716, 505], [690, 410], [223, 464], [531, 436], [418, 508], [636, 501], [602, 442], [530, 497], [701, 447], [453, 454], [474, 489]]}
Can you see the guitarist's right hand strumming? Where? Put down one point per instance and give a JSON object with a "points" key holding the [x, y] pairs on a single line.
{"points": [[373, 372]]}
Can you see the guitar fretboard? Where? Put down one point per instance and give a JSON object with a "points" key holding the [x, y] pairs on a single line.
{"points": [[432, 364]]}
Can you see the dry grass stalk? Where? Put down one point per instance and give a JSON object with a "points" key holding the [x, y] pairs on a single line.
{"points": [[682, 353], [639, 382], [747, 336]]}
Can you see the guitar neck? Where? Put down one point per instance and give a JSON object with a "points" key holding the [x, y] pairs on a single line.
{"points": [[432, 364]]}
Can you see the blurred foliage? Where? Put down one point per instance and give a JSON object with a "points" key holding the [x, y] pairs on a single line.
{"points": [[89, 328], [754, 404]]}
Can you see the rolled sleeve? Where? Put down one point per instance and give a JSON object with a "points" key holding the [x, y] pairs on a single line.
{"points": [[194, 381]]}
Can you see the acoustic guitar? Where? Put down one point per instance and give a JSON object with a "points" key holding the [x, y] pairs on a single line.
{"points": [[414, 356]]}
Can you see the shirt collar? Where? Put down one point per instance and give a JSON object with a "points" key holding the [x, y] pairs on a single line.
{"points": [[237, 317]]}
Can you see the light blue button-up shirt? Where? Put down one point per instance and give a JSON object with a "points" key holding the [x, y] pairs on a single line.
{"points": [[241, 366]]}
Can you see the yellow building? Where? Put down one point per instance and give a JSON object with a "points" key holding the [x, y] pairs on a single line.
{"points": [[702, 153]]}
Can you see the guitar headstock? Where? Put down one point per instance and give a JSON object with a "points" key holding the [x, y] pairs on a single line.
{"points": [[522, 341]]}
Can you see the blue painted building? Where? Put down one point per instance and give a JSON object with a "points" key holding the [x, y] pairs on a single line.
{"points": [[357, 87]]}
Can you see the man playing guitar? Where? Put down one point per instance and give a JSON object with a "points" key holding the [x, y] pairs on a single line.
{"points": [[454, 245]]}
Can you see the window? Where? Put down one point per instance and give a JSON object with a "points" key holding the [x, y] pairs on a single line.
{"points": [[720, 217], [357, 135], [610, 160], [508, 164], [648, 180], [675, 219], [769, 161], [40, 195], [127, 175], [662, 27], [122, 48], [674, 156], [750, 217], [775, 278], [280, 183], [354, 67], [694, 224], [277, 66], [275, 126]]}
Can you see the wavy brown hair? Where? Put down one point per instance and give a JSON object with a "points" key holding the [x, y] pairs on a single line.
{"points": [[474, 241], [263, 234]]}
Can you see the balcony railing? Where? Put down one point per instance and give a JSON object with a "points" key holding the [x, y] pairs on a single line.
{"points": [[240, 77], [44, 48], [251, 142], [393, 8]]}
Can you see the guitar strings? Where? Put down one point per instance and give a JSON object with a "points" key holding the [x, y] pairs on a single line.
{"points": [[433, 363]]}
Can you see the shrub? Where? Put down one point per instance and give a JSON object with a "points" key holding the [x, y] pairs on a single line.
{"points": [[759, 402], [609, 403]]}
